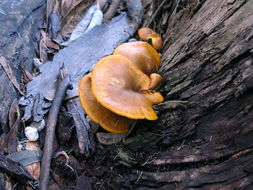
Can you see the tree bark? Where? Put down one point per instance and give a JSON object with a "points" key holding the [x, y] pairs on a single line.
{"points": [[203, 137]]}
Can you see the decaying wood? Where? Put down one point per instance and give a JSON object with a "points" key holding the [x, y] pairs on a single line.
{"points": [[50, 131], [202, 137], [83, 131]]}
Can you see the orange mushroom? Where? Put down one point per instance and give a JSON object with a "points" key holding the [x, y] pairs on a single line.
{"points": [[149, 34], [155, 81], [121, 87], [105, 118], [142, 54]]}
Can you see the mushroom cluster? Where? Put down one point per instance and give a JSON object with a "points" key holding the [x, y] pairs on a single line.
{"points": [[121, 87]]}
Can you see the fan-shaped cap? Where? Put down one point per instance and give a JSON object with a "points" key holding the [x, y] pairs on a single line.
{"points": [[142, 54], [105, 118], [121, 87], [149, 34]]}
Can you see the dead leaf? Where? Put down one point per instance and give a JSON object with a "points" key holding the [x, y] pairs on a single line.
{"points": [[43, 52], [103, 4], [14, 169], [66, 6], [10, 74], [83, 183], [73, 17], [14, 113], [44, 44], [49, 9], [54, 186], [93, 17], [110, 138], [34, 168], [10, 141], [27, 76], [48, 42], [58, 180], [112, 9]]}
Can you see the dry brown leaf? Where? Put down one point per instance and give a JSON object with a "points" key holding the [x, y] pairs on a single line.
{"points": [[10, 74], [10, 141], [43, 52], [14, 114], [44, 44], [34, 168], [74, 16], [65, 6], [27, 76], [48, 42]]}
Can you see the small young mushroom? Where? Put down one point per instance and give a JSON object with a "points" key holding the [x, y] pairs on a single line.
{"points": [[142, 54], [105, 118], [149, 34], [121, 87], [155, 81]]}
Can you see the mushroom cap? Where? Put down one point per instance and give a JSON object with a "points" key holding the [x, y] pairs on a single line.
{"points": [[105, 118], [142, 54], [155, 81], [149, 34], [121, 87]]}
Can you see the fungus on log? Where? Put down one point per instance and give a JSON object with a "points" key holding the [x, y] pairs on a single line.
{"points": [[155, 81], [121, 87], [149, 34], [142, 54], [202, 139], [105, 118]]}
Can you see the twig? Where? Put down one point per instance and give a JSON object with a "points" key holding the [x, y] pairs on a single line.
{"points": [[50, 131], [112, 10], [139, 177], [157, 11]]}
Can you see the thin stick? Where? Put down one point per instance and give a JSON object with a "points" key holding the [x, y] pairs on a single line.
{"points": [[112, 10], [50, 131]]}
